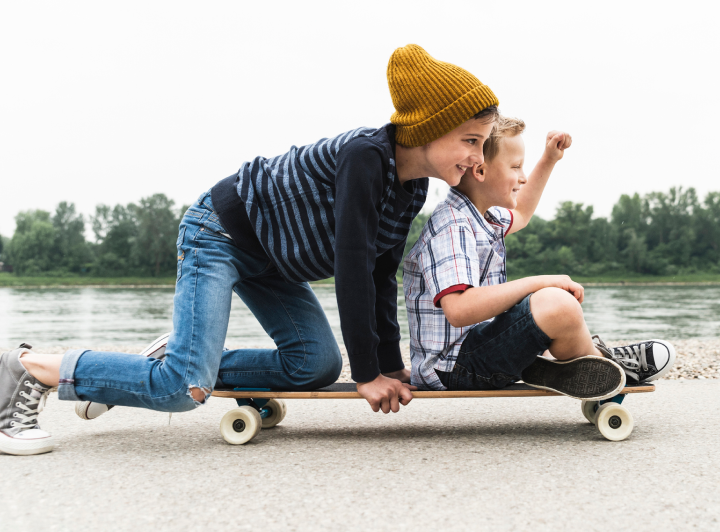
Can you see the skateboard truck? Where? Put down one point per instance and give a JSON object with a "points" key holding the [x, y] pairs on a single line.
{"points": [[257, 404]]}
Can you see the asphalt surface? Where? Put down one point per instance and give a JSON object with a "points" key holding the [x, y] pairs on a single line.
{"points": [[440, 464]]}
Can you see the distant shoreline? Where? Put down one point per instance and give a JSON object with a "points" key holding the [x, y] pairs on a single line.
{"points": [[8, 280], [316, 285]]}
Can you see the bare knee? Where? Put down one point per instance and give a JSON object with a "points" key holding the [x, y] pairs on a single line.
{"points": [[199, 395], [554, 309]]}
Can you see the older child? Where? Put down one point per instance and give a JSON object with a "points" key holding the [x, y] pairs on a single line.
{"points": [[341, 207], [469, 328]]}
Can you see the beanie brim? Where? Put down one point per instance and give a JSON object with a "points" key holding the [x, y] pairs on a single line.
{"points": [[445, 120]]}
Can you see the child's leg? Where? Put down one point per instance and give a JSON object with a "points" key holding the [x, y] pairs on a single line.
{"points": [[506, 350], [307, 355], [493, 355], [559, 315], [209, 265]]}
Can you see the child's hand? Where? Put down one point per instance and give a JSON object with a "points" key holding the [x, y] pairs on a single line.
{"points": [[556, 143], [385, 394], [564, 282]]}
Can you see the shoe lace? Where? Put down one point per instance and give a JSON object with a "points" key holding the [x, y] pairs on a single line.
{"points": [[28, 417], [632, 357]]}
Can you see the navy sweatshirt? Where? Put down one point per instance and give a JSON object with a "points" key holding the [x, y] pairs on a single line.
{"points": [[335, 207]]}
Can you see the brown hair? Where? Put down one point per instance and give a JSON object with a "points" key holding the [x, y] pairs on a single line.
{"points": [[489, 114], [504, 127]]}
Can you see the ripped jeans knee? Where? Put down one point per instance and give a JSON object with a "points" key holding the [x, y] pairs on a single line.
{"points": [[199, 394]]}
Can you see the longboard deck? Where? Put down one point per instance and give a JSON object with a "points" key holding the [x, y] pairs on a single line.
{"points": [[348, 390]]}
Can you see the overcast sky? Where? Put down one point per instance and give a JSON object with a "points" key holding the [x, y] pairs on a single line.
{"points": [[108, 102]]}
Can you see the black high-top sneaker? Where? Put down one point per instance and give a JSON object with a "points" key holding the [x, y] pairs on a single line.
{"points": [[591, 378], [22, 398], [642, 362], [88, 410]]}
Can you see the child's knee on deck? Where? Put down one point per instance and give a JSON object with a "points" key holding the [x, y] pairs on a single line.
{"points": [[555, 311]]}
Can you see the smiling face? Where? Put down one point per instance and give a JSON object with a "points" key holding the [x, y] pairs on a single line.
{"points": [[504, 174], [450, 156]]}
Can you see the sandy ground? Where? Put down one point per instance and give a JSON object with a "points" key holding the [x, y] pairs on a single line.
{"points": [[443, 464]]}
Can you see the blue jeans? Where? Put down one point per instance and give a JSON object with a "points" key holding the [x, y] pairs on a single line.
{"points": [[210, 267], [494, 355]]}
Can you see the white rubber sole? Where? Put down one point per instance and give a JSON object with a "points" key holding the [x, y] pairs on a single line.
{"points": [[25, 447], [671, 361], [88, 410], [567, 393]]}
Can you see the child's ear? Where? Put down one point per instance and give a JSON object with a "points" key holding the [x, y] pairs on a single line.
{"points": [[478, 172]]}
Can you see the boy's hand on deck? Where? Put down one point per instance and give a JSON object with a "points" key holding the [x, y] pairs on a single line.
{"points": [[567, 284], [385, 394], [556, 143]]}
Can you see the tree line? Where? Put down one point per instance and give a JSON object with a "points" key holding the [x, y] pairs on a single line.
{"points": [[655, 234], [137, 239]]}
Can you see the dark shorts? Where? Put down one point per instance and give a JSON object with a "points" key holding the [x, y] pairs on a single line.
{"points": [[494, 355]]}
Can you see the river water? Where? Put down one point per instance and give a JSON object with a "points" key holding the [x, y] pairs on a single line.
{"points": [[134, 316]]}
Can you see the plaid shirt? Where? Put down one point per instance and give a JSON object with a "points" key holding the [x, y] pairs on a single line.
{"points": [[457, 249]]}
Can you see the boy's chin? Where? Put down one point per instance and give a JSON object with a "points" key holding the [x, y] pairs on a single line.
{"points": [[510, 204]]}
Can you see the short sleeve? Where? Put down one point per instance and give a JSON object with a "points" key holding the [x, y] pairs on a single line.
{"points": [[503, 217], [449, 259]]}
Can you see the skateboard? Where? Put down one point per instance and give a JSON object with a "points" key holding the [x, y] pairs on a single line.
{"points": [[262, 408]]}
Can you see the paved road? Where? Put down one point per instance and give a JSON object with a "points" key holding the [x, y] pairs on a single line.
{"points": [[463, 464]]}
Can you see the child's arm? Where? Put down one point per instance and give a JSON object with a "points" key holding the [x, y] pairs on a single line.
{"points": [[556, 143], [481, 303]]}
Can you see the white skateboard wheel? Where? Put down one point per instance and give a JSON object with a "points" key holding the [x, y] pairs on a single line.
{"points": [[240, 425], [278, 411], [614, 421], [588, 410]]}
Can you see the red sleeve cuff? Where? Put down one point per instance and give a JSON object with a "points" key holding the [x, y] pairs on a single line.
{"points": [[454, 288], [512, 219]]}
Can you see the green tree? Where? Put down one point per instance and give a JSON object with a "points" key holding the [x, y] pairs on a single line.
{"points": [[70, 250], [115, 231], [31, 249], [707, 232], [415, 230], [154, 248], [571, 229]]}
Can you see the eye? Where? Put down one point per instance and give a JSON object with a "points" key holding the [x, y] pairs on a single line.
{"points": [[472, 141]]}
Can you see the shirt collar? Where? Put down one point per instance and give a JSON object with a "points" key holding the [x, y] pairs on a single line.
{"points": [[461, 202]]}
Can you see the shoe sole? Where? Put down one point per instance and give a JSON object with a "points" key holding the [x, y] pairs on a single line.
{"points": [[671, 360], [82, 408], [20, 447], [589, 378]]}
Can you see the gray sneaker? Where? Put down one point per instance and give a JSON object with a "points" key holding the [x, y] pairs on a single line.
{"points": [[88, 410], [642, 362], [591, 378], [22, 398]]}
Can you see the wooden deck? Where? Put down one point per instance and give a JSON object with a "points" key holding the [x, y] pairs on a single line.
{"points": [[348, 390]]}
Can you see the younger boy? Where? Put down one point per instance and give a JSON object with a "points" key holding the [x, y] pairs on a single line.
{"points": [[469, 328]]}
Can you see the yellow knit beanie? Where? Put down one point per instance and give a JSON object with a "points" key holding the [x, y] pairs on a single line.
{"points": [[431, 97]]}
